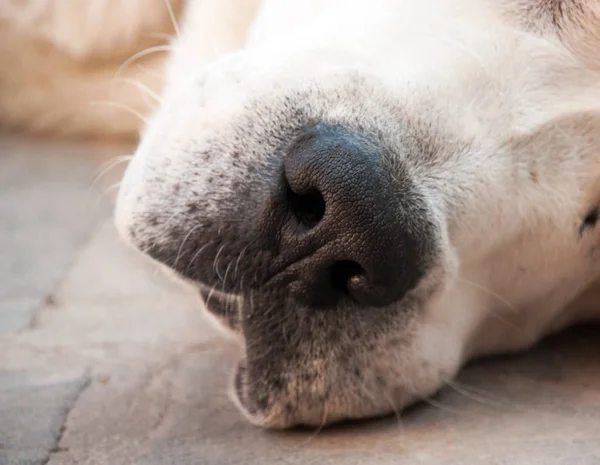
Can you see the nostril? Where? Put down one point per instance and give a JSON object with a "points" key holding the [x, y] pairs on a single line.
{"points": [[308, 207], [343, 230], [343, 274]]}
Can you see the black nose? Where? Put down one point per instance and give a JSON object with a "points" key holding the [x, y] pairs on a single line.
{"points": [[348, 225]]}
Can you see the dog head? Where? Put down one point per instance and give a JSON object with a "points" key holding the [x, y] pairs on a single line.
{"points": [[352, 196]]}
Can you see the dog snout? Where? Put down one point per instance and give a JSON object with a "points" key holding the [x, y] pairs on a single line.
{"points": [[326, 221], [345, 212], [326, 217]]}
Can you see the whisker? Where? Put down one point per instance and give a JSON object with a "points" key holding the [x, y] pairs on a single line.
{"points": [[225, 276], [149, 71], [173, 19], [168, 220], [237, 262], [109, 165], [394, 408], [313, 436], [197, 254], [498, 297], [454, 385], [487, 291], [443, 407], [158, 35], [106, 192], [210, 294], [111, 188], [215, 263], [122, 106], [141, 54], [118, 158], [241, 285], [141, 87], [479, 391], [499, 402], [183, 243]]}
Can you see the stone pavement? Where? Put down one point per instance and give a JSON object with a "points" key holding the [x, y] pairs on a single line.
{"points": [[105, 361]]}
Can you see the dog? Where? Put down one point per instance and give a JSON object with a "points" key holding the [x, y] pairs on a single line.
{"points": [[369, 194]]}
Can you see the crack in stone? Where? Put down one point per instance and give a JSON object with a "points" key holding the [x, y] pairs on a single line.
{"points": [[172, 364], [163, 414], [63, 427], [48, 301]]}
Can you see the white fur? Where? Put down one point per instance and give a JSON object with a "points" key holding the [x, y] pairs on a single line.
{"points": [[62, 70]]}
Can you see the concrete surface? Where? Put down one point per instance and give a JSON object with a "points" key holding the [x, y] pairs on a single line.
{"points": [[105, 361]]}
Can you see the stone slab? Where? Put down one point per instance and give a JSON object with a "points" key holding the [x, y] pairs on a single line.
{"points": [[48, 207], [33, 409]]}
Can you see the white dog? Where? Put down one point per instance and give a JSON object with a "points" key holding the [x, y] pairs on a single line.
{"points": [[369, 193]]}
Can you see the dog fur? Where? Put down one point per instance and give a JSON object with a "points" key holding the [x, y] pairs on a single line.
{"points": [[489, 108]]}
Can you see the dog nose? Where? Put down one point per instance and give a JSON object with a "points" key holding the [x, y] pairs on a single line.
{"points": [[344, 217]]}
